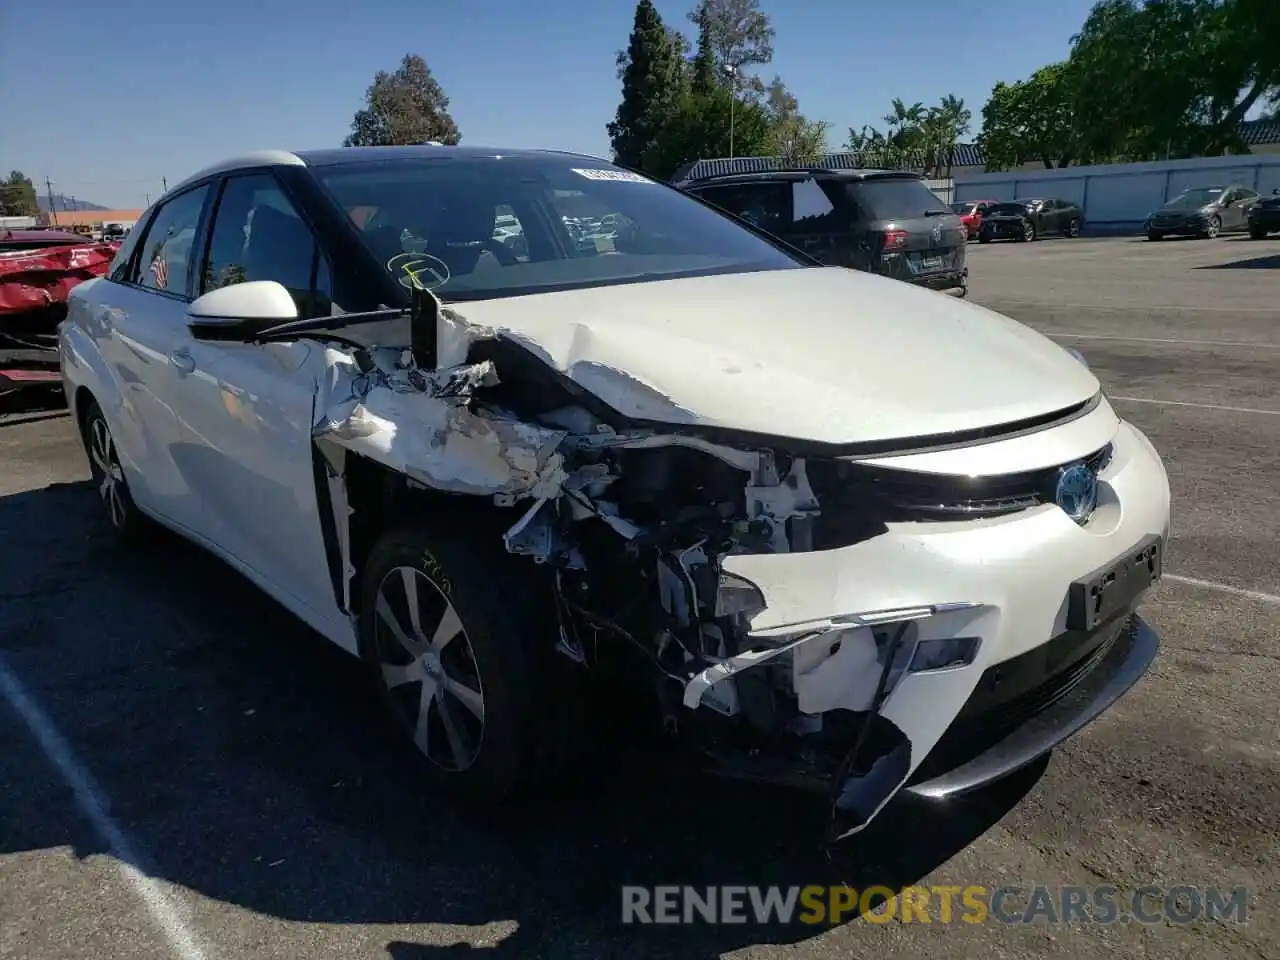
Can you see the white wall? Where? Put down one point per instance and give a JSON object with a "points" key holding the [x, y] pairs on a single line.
{"points": [[1122, 194]]}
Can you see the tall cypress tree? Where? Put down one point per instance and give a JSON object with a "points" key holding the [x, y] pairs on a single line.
{"points": [[651, 78], [704, 64]]}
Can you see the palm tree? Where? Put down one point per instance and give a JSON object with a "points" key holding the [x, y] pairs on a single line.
{"points": [[951, 122]]}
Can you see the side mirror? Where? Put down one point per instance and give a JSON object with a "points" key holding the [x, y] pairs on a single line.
{"points": [[239, 311]]}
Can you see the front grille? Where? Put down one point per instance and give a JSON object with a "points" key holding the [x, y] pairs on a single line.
{"points": [[845, 487]]}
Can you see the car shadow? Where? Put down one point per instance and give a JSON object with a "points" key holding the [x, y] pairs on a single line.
{"points": [[241, 754], [1266, 262]]}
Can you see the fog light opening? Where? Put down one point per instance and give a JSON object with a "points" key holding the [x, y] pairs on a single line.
{"points": [[944, 654]]}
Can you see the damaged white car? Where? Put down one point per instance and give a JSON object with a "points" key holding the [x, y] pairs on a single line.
{"points": [[850, 534]]}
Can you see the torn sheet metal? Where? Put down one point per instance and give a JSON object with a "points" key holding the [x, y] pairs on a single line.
{"points": [[418, 423]]}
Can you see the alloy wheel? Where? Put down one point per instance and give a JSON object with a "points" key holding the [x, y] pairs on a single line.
{"points": [[1029, 232], [1073, 228], [106, 463], [1215, 225], [429, 668]]}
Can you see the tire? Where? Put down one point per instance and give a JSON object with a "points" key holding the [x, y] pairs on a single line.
{"points": [[984, 238], [498, 711], [1214, 228], [1073, 228], [1257, 233], [1028, 233], [1153, 235], [108, 477]]}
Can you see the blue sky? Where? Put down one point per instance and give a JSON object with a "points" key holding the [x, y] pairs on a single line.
{"points": [[106, 98]]}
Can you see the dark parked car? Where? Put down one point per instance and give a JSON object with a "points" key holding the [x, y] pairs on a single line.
{"points": [[1202, 212], [1264, 216], [1028, 220], [881, 221]]}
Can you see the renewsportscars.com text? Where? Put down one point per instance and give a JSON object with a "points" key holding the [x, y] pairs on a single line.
{"points": [[973, 904]]}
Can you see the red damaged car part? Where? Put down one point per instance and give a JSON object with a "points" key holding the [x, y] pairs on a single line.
{"points": [[34, 284]]}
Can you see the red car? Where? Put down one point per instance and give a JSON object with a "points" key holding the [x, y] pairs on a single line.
{"points": [[37, 270], [971, 212]]}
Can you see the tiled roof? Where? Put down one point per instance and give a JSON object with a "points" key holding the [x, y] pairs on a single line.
{"points": [[1254, 133], [847, 160], [1257, 132]]}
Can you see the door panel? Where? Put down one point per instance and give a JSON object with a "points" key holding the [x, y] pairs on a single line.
{"points": [[143, 321], [246, 412], [247, 418]]}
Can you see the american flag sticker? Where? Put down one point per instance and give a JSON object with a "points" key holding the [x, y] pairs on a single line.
{"points": [[160, 270]]}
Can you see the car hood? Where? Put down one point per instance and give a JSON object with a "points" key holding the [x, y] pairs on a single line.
{"points": [[826, 355]]}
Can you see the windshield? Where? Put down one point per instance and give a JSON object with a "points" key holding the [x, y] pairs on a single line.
{"points": [[474, 228], [1194, 199], [896, 198], [1006, 210]]}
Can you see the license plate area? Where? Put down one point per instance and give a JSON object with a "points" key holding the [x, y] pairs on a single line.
{"points": [[1111, 590]]}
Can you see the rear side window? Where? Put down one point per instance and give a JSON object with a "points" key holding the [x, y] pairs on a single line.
{"points": [[766, 203], [165, 261], [896, 199]]}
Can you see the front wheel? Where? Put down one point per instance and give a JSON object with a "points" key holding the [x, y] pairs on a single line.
{"points": [[1073, 228], [1257, 233], [984, 238], [1154, 235], [1213, 227], [452, 635], [1029, 232]]}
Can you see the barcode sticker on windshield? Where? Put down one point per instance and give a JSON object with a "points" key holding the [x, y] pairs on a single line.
{"points": [[621, 176]]}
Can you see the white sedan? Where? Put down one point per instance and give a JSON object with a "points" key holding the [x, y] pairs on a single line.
{"points": [[850, 534]]}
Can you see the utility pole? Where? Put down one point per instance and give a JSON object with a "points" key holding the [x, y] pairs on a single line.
{"points": [[53, 210]]}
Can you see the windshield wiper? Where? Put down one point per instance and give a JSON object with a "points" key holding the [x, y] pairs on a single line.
{"points": [[935, 213]]}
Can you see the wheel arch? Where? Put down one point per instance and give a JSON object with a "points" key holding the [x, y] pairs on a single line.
{"points": [[379, 498]]}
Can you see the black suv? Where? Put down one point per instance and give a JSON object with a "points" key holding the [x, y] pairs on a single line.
{"points": [[881, 221]]}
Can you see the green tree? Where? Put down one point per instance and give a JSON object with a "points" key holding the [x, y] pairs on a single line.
{"points": [[740, 35], [704, 78], [1030, 120], [1189, 70], [18, 196], [404, 107], [942, 128], [652, 88], [699, 127], [792, 136]]}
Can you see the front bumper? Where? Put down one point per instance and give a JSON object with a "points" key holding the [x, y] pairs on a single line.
{"points": [[1190, 227], [983, 744], [1005, 582]]}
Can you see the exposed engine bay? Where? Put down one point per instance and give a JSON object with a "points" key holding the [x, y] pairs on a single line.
{"points": [[633, 525]]}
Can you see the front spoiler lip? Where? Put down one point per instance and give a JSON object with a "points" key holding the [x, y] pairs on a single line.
{"points": [[1123, 666]]}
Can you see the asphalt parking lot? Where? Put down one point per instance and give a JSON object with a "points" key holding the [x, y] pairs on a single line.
{"points": [[186, 771]]}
